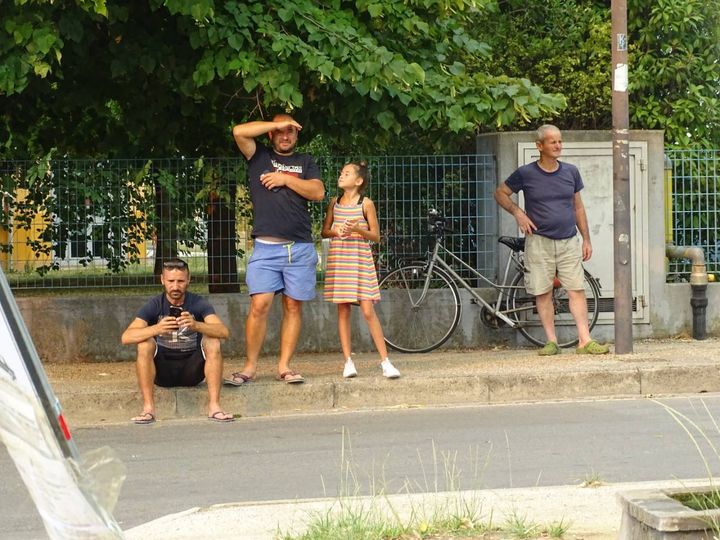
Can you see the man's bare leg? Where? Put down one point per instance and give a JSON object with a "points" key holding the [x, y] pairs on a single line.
{"points": [[213, 375], [145, 369], [255, 329], [289, 331], [546, 311], [578, 308]]}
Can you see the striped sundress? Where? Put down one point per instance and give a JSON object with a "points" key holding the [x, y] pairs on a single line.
{"points": [[350, 274]]}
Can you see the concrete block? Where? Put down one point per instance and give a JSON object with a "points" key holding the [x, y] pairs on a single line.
{"points": [[655, 515], [261, 398], [680, 379], [410, 391], [101, 406], [562, 385]]}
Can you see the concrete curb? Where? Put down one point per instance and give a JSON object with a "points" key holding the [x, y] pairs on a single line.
{"points": [[331, 393]]}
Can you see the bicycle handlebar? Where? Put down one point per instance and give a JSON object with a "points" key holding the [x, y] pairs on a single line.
{"points": [[438, 223]]}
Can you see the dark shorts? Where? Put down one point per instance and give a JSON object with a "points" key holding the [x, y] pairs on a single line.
{"points": [[176, 368]]}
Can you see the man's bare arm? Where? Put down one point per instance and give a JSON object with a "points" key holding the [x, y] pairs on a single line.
{"points": [[582, 225], [502, 197], [244, 134], [212, 326], [311, 189], [139, 331]]}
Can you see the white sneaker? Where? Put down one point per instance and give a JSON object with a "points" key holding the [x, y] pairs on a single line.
{"points": [[349, 372], [389, 370]]}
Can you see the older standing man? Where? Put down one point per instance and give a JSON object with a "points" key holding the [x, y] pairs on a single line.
{"points": [[553, 215], [284, 258]]}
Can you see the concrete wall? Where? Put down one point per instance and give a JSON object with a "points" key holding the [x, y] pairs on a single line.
{"points": [[66, 329], [71, 329]]}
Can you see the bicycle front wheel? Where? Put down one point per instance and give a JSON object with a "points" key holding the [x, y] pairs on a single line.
{"points": [[413, 323], [521, 308]]}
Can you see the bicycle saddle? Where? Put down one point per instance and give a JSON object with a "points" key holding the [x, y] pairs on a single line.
{"points": [[516, 244]]}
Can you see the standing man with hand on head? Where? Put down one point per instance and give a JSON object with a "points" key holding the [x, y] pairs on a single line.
{"points": [[178, 338], [553, 215], [284, 257]]}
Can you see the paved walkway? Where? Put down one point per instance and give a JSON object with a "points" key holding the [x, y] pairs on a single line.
{"points": [[105, 393]]}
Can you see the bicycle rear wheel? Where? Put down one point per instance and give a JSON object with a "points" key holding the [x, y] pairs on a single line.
{"points": [[521, 307], [411, 325]]}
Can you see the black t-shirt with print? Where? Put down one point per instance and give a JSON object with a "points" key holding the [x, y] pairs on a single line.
{"points": [[282, 212], [186, 340]]}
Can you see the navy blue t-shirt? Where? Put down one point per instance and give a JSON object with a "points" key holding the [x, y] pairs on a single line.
{"points": [[186, 340], [549, 197], [281, 213]]}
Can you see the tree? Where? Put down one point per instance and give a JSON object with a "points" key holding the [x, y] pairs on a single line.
{"points": [[675, 69], [143, 78], [565, 46]]}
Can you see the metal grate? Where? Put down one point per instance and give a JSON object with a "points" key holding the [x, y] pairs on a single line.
{"points": [[107, 223], [694, 207]]}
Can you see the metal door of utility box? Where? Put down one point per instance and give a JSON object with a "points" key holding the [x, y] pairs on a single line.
{"points": [[595, 162]]}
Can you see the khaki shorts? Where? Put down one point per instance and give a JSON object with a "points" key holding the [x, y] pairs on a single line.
{"points": [[545, 258]]}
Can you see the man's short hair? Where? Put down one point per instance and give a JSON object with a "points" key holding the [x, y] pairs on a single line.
{"points": [[542, 130], [175, 264]]}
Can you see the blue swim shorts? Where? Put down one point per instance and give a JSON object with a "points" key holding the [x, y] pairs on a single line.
{"points": [[288, 268]]}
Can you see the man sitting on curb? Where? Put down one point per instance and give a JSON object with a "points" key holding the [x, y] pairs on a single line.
{"points": [[178, 335]]}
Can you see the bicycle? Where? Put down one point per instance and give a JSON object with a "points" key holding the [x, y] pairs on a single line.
{"points": [[421, 305]]}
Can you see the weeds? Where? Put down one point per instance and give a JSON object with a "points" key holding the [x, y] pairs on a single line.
{"points": [[518, 526], [592, 480], [443, 511]]}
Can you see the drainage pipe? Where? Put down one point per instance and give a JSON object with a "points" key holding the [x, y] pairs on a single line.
{"points": [[698, 284]]}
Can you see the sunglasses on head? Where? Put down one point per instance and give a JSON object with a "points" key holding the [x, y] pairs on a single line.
{"points": [[175, 264]]}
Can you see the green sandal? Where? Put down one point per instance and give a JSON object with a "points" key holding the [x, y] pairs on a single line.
{"points": [[593, 347], [549, 349]]}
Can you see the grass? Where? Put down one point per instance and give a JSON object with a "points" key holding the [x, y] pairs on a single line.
{"points": [[592, 480], [699, 501], [444, 511]]}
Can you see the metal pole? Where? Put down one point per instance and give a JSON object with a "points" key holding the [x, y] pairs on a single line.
{"points": [[621, 180]]}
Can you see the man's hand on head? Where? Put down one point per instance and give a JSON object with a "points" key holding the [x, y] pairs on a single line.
{"points": [[283, 124]]}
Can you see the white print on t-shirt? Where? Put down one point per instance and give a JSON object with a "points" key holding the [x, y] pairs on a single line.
{"points": [[296, 169]]}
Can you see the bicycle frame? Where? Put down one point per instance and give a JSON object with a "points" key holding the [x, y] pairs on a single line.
{"points": [[435, 258]]}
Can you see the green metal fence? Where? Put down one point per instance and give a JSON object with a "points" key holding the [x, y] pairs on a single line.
{"points": [[108, 223], [695, 206]]}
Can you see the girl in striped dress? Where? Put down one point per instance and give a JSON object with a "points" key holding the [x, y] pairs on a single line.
{"points": [[351, 224]]}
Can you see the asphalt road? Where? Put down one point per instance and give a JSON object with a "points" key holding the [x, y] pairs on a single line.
{"points": [[172, 466]]}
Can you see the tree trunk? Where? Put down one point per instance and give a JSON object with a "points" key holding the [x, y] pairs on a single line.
{"points": [[222, 256], [166, 231]]}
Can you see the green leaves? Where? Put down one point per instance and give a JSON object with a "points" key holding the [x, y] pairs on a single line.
{"points": [[31, 39], [675, 70], [158, 77]]}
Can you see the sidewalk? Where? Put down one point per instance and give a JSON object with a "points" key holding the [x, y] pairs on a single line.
{"points": [[105, 393], [590, 513]]}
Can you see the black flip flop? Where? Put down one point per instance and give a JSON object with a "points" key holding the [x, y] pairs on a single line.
{"points": [[144, 419]]}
